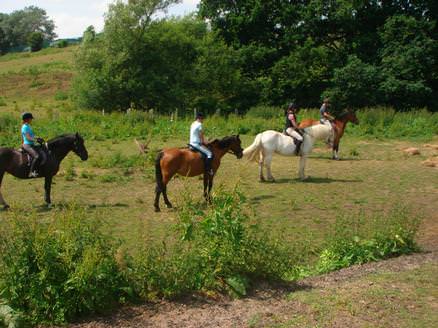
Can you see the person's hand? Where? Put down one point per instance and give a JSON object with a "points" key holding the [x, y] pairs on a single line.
{"points": [[40, 140]]}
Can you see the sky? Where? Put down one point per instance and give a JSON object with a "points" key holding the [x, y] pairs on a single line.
{"points": [[72, 17]]}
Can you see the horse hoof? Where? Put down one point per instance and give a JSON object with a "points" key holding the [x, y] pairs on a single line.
{"points": [[157, 209], [169, 205], [49, 206], [6, 207]]}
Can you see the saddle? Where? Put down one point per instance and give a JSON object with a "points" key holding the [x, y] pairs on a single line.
{"points": [[27, 157], [193, 149]]}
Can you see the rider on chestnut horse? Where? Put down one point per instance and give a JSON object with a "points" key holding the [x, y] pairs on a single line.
{"points": [[197, 142]]}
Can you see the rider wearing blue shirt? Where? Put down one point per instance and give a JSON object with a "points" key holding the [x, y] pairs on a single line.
{"points": [[29, 143]]}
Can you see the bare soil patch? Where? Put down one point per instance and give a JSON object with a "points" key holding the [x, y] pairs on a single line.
{"points": [[267, 305]]}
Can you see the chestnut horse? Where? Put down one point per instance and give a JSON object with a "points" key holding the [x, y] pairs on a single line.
{"points": [[186, 162], [339, 124]]}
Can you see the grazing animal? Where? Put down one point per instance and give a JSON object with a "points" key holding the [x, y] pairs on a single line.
{"points": [[340, 124], [16, 163], [186, 162], [269, 142]]}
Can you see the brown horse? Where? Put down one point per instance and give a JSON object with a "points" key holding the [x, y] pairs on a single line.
{"points": [[186, 162], [339, 124]]}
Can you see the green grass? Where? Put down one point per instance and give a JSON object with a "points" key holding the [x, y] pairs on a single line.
{"points": [[118, 184], [402, 299]]}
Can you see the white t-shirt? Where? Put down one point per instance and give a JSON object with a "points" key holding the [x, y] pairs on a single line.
{"points": [[195, 133]]}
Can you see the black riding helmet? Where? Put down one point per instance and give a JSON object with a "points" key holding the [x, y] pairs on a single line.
{"points": [[292, 106], [27, 116], [199, 115]]}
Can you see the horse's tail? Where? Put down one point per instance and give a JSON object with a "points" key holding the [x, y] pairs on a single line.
{"points": [[158, 172], [252, 150]]}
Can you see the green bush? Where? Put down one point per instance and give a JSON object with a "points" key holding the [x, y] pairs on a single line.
{"points": [[57, 270], [266, 112], [218, 249], [360, 240]]}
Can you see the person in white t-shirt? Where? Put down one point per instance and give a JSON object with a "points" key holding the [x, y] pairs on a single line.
{"points": [[197, 142]]}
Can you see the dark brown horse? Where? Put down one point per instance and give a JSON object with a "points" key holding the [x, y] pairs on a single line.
{"points": [[16, 163], [186, 162], [339, 123]]}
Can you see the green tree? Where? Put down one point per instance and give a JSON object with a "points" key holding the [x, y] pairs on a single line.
{"points": [[89, 34], [21, 23], [355, 85], [409, 61], [35, 41], [4, 44]]}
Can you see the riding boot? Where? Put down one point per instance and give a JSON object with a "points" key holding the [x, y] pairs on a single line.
{"points": [[33, 173], [208, 168], [297, 146]]}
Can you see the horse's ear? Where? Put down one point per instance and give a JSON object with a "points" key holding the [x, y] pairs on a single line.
{"points": [[77, 135]]}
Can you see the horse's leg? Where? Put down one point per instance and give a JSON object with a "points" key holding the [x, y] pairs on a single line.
{"points": [[47, 188], [302, 167], [210, 186], [261, 163], [268, 161], [166, 179], [2, 200], [336, 147], [157, 198], [335, 152], [205, 186], [166, 200]]}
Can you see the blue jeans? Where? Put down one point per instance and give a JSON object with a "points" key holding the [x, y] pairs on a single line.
{"points": [[204, 150]]}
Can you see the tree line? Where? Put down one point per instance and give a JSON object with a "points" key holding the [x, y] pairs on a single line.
{"points": [[27, 27], [233, 55]]}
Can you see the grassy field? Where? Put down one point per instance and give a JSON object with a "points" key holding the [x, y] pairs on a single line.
{"points": [[374, 177]]}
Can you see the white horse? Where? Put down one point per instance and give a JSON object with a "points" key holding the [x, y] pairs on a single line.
{"points": [[269, 142]]}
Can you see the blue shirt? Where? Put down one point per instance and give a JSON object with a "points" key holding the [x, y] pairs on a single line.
{"points": [[26, 129]]}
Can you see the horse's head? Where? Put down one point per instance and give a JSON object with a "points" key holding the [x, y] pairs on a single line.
{"points": [[351, 117], [79, 147], [231, 144], [236, 146]]}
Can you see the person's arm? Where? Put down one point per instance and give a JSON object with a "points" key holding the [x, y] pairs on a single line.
{"points": [[293, 121], [29, 137], [201, 135]]}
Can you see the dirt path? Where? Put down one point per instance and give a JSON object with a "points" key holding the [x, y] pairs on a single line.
{"points": [[264, 307]]}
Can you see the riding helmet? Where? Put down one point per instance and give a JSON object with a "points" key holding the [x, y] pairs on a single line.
{"points": [[199, 115], [292, 106], [27, 116]]}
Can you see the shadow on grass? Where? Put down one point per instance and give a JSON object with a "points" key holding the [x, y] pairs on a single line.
{"points": [[315, 180], [60, 206], [257, 199]]}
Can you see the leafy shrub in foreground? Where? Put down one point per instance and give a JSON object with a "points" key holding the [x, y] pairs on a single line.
{"points": [[357, 241], [56, 271], [219, 250]]}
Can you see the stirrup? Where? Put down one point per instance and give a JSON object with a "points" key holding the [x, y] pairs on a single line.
{"points": [[33, 174]]}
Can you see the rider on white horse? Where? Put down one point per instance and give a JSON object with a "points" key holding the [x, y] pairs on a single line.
{"points": [[291, 126]]}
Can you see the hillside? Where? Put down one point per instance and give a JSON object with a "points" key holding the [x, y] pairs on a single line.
{"points": [[30, 77]]}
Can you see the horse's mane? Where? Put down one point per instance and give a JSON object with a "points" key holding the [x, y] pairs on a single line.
{"points": [[222, 143], [61, 139], [342, 115]]}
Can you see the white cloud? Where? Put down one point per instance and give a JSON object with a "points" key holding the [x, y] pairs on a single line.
{"points": [[73, 17]]}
